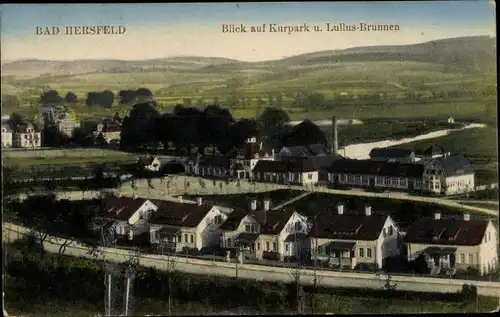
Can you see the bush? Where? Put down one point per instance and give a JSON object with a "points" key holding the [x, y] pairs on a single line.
{"points": [[469, 292]]}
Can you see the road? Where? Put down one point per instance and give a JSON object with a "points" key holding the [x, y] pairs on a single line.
{"points": [[263, 273], [178, 185]]}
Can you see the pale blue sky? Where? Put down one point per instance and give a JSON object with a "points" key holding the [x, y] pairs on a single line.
{"points": [[446, 18]]}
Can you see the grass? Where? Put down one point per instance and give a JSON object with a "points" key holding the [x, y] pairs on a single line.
{"points": [[485, 206], [24, 162], [480, 146]]}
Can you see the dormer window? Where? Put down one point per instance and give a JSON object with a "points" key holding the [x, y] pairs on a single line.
{"points": [[29, 130], [4, 130]]}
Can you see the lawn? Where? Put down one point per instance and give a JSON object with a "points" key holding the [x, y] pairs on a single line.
{"points": [[24, 162], [480, 146]]}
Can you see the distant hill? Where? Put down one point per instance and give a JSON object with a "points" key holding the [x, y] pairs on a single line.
{"points": [[462, 54]]}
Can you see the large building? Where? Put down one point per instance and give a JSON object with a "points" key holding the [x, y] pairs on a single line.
{"points": [[454, 244], [246, 159], [61, 117], [108, 130]]}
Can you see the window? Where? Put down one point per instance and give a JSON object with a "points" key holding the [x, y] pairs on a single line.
{"points": [[394, 182], [258, 245], [489, 236], [361, 252], [267, 245], [287, 248], [385, 233], [192, 238], [141, 214], [471, 259], [390, 230], [462, 258], [368, 252], [386, 181], [185, 237], [247, 228], [357, 179], [274, 246], [310, 176]]}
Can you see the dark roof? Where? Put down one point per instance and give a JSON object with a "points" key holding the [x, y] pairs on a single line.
{"points": [[446, 231], [121, 208], [369, 167], [308, 150], [391, 152], [146, 160], [433, 150], [320, 162], [179, 214], [251, 150], [233, 219], [169, 231], [294, 166], [246, 238], [341, 245], [330, 225], [272, 221], [454, 165], [22, 127], [214, 161]]}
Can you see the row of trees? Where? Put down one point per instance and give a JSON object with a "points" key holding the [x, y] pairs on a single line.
{"points": [[215, 127]]}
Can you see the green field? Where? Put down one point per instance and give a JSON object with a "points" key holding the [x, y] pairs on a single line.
{"points": [[24, 162], [480, 146], [466, 64]]}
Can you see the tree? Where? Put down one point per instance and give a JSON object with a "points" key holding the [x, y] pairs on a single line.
{"points": [[214, 127], [51, 97], [138, 127], [10, 101], [107, 99], [71, 98], [143, 95], [305, 133], [81, 137], [272, 121], [126, 96], [16, 119], [242, 130]]}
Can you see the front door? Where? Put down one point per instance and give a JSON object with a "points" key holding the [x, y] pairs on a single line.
{"points": [[436, 260], [452, 260], [372, 181]]}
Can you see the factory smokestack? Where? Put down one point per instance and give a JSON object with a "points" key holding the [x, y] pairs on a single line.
{"points": [[335, 141]]}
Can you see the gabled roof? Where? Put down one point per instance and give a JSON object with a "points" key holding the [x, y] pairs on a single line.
{"points": [[369, 167], [454, 165], [433, 150], [272, 221], [391, 152], [307, 150], [22, 127], [179, 214], [122, 208], [446, 231], [293, 166], [330, 225], [320, 162], [234, 219]]}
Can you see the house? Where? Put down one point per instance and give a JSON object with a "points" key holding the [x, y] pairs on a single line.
{"points": [[448, 175], [433, 151], [265, 233], [298, 171], [149, 163], [454, 244], [109, 129], [351, 240], [208, 166], [129, 215], [6, 134], [184, 225], [27, 135], [376, 174], [400, 155], [61, 117], [244, 161]]}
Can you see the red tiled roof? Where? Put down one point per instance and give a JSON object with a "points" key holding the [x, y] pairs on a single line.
{"points": [[293, 166], [179, 214], [122, 208], [330, 225], [446, 231]]}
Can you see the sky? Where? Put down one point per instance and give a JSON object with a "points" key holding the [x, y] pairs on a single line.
{"points": [[162, 30]]}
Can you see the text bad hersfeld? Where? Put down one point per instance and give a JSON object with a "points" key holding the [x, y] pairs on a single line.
{"points": [[81, 30]]}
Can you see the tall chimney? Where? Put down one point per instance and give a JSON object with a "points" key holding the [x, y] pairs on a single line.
{"points": [[267, 203], [437, 216], [335, 141], [199, 201], [340, 208], [368, 210], [253, 204]]}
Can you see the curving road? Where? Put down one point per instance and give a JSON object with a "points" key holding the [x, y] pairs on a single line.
{"points": [[259, 273]]}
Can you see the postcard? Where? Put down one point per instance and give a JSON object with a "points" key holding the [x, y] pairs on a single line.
{"points": [[249, 158]]}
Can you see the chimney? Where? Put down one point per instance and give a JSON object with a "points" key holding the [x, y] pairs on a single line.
{"points": [[467, 217], [335, 141], [199, 201], [368, 210], [267, 203], [253, 204], [437, 216], [340, 208]]}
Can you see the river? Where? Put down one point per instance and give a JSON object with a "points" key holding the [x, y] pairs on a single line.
{"points": [[361, 151]]}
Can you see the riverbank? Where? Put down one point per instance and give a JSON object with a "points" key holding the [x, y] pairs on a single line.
{"points": [[57, 285]]}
